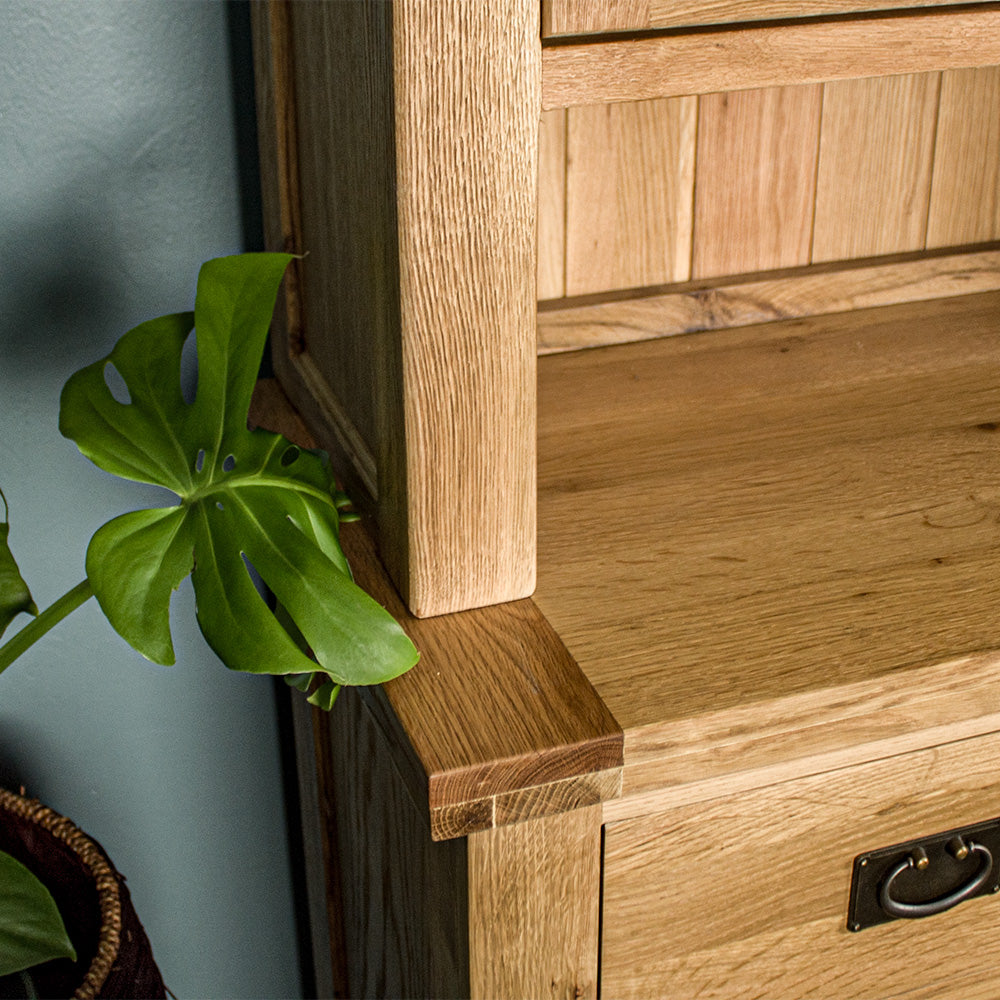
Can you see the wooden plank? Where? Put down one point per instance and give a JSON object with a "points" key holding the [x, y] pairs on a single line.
{"points": [[467, 80], [578, 17], [552, 205], [965, 191], [415, 362], [405, 897], [534, 908], [816, 291], [672, 65], [629, 184], [755, 179], [875, 158], [495, 706], [778, 511], [751, 891]]}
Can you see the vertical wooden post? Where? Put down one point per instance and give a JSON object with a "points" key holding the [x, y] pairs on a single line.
{"points": [[534, 908], [400, 153], [467, 80]]}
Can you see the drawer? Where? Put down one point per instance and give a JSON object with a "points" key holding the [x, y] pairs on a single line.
{"points": [[747, 896]]}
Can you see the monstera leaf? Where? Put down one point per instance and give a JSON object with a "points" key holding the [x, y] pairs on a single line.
{"points": [[247, 498], [31, 929], [14, 594]]}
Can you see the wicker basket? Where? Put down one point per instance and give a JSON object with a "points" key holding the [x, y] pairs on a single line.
{"points": [[114, 958]]}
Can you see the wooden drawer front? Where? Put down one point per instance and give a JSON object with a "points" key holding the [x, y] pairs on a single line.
{"points": [[747, 896], [582, 17]]}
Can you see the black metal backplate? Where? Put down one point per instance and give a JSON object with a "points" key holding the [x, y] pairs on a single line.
{"points": [[942, 875]]}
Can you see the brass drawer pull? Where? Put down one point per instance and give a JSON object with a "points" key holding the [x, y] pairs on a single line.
{"points": [[918, 859]]}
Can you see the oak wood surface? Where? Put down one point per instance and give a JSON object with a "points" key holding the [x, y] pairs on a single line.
{"points": [[467, 79], [575, 17], [496, 723], [534, 908], [734, 520], [552, 205], [749, 893], [404, 897], [629, 184], [756, 179], [965, 191], [705, 62], [413, 163], [875, 158], [602, 321]]}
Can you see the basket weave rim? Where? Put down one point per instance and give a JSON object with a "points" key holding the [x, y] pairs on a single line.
{"points": [[86, 850]]}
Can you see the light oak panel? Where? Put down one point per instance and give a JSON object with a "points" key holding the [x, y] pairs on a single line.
{"points": [[466, 135], [749, 893], [629, 184], [534, 895], [552, 205], [755, 179], [823, 289], [875, 157], [672, 65], [414, 359], [574, 17], [784, 509], [965, 192]]}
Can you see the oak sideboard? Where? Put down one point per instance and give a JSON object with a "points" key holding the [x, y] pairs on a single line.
{"points": [[659, 343]]}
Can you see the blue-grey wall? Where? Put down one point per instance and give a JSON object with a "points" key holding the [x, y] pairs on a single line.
{"points": [[118, 177]]}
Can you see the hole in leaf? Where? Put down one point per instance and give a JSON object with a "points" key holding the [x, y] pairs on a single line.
{"points": [[220, 505], [116, 384], [258, 582], [289, 455], [189, 368], [229, 463], [199, 462]]}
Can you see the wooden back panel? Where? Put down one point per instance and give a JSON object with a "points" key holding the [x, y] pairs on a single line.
{"points": [[701, 188]]}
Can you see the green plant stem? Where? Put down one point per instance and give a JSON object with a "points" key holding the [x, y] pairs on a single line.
{"points": [[37, 627]]}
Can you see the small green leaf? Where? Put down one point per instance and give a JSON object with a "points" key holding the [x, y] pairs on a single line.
{"points": [[31, 929], [247, 499], [14, 594]]}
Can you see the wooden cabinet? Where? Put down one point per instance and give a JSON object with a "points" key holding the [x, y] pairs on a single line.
{"points": [[762, 632]]}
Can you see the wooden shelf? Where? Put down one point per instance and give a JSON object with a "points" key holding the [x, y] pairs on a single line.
{"points": [[770, 549]]}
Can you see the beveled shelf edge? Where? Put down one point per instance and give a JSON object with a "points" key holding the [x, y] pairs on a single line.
{"points": [[497, 723]]}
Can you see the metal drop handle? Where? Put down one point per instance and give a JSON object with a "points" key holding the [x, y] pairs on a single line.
{"points": [[896, 908]]}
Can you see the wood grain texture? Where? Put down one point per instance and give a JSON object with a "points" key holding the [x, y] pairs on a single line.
{"points": [[405, 898], [552, 205], [816, 291], [786, 510], [965, 191], [755, 179], [776, 926], [576, 17], [534, 908], [416, 358], [629, 183], [496, 712], [496, 723], [673, 65], [467, 80], [579, 17], [875, 158]]}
